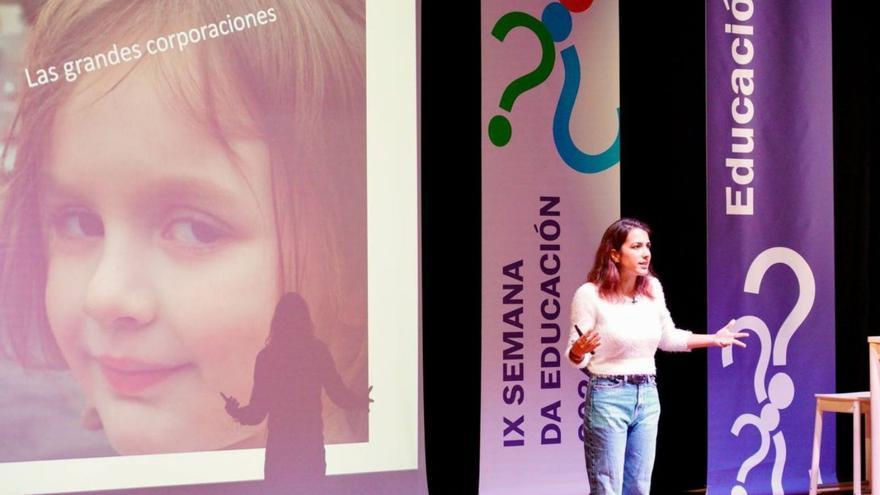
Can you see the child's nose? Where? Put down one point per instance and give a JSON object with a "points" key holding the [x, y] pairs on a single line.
{"points": [[118, 295]]}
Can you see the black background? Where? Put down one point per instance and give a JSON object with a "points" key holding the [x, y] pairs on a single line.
{"points": [[663, 174]]}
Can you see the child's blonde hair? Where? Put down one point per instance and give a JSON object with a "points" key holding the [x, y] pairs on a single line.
{"points": [[297, 84]]}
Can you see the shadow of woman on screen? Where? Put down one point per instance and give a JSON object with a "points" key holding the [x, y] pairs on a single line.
{"points": [[289, 374]]}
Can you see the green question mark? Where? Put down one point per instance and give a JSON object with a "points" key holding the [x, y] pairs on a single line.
{"points": [[499, 127]]}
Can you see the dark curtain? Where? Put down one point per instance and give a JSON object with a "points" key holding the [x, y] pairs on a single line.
{"points": [[450, 201], [663, 182], [857, 218]]}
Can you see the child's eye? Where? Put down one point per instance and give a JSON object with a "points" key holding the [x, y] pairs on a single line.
{"points": [[78, 223], [191, 232]]}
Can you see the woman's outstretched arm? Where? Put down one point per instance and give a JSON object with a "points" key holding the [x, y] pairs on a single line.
{"points": [[674, 339], [725, 337], [336, 389], [256, 410]]}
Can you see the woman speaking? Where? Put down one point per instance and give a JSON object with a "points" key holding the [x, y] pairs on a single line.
{"points": [[619, 320]]}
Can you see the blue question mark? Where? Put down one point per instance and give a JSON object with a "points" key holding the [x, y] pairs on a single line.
{"points": [[557, 18]]}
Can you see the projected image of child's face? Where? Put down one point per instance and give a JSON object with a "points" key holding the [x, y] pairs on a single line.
{"points": [[162, 264]]}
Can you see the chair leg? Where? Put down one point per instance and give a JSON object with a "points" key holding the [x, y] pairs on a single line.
{"points": [[817, 441], [857, 449], [868, 445]]}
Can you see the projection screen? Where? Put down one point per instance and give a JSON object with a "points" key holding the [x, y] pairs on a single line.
{"points": [[168, 173]]}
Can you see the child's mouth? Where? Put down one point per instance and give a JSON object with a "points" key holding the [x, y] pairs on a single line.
{"points": [[130, 377]]}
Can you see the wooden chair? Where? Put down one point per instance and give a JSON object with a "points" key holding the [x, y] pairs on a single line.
{"points": [[855, 403]]}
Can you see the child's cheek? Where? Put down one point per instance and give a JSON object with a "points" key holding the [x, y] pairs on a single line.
{"points": [[66, 316], [225, 359]]}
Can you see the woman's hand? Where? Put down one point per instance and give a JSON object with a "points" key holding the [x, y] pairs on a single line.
{"points": [[369, 399], [727, 337], [587, 342], [232, 405]]}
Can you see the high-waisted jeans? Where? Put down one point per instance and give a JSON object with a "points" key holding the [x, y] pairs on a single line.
{"points": [[621, 434]]}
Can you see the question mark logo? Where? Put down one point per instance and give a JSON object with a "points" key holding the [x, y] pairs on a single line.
{"points": [[500, 129], [554, 27], [557, 18]]}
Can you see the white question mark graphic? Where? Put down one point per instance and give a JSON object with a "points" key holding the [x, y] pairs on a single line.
{"points": [[806, 293], [781, 388], [759, 328]]}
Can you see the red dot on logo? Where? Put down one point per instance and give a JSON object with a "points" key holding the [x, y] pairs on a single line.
{"points": [[576, 5]]}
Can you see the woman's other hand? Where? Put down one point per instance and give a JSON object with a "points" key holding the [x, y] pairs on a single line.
{"points": [[727, 337]]}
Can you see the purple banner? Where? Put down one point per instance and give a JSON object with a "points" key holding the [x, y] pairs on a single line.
{"points": [[770, 241]]}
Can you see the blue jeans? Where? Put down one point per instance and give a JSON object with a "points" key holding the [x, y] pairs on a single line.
{"points": [[621, 435]]}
